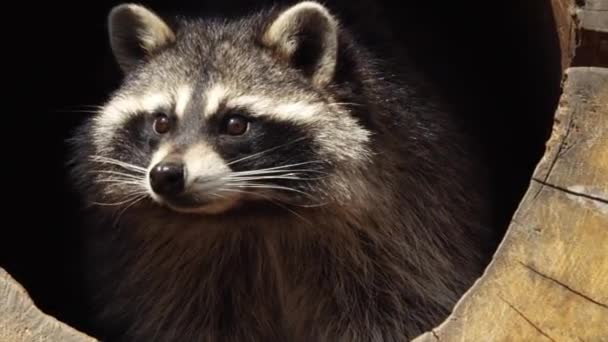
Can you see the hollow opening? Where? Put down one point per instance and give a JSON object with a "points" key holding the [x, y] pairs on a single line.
{"points": [[500, 66]]}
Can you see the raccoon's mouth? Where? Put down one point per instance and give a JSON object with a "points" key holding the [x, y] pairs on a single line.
{"points": [[196, 203]]}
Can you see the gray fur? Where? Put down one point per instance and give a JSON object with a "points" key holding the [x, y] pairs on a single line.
{"points": [[380, 250]]}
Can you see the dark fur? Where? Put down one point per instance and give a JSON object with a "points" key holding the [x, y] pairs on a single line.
{"points": [[384, 271]]}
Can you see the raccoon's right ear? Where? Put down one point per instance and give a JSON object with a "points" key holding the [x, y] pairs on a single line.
{"points": [[306, 36], [136, 33]]}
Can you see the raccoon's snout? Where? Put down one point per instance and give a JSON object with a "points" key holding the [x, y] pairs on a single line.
{"points": [[168, 178]]}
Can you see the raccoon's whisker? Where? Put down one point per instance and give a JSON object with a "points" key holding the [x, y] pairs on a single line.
{"points": [[265, 172], [345, 104], [117, 173], [268, 199], [267, 186], [129, 199], [261, 178], [217, 195], [122, 186], [274, 171], [99, 158], [295, 173], [134, 202], [265, 151], [120, 179], [317, 205], [120, 182], [280, 167], [88, 106], [92, 109], [107, 160], [112, 181], [254, 178], [283, 170], [130, 172], [129, 168], [205, 183]]}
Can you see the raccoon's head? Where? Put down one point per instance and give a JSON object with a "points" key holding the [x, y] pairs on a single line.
{"points": [[217, 114]]}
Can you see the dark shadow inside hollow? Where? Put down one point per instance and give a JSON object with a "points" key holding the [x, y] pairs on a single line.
{"points": [[500, 66]]}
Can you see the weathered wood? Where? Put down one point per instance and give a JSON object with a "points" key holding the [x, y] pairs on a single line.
{"points": [[592, 16], [22, 321], [566, 29], [592, 34], [549, 279]]}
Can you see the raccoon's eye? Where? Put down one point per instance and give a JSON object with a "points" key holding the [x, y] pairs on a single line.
{"points": [[236, 125], [162, 123]]}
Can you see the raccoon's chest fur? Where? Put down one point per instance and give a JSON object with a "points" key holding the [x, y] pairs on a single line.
{"points": [[284, 281], [228, 289]]}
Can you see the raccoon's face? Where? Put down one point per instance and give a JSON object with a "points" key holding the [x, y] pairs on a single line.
{"points": [[215, 115]]}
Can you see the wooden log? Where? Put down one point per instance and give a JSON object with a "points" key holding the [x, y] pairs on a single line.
{"points": [[548, 280], [22, 321]]}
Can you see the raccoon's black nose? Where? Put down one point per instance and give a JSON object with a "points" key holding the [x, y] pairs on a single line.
{"points": [[168, 178]]}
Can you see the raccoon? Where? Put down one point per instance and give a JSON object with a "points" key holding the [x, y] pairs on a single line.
{"points": [[272, 177]]}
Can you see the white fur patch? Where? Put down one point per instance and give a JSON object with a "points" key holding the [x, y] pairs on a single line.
{"points": [[260, 105], [182, 98], [297, 111], [202, 161], [214, 98]]}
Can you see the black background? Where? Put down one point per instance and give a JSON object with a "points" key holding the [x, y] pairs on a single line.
{"points": [[501, 64]]}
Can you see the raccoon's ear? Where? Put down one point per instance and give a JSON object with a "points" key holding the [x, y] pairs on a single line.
{"points": [[136, 33], [306, 35]]}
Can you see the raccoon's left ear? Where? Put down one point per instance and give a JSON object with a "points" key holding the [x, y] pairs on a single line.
{"points": [[306, 36], [136, 33]]}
